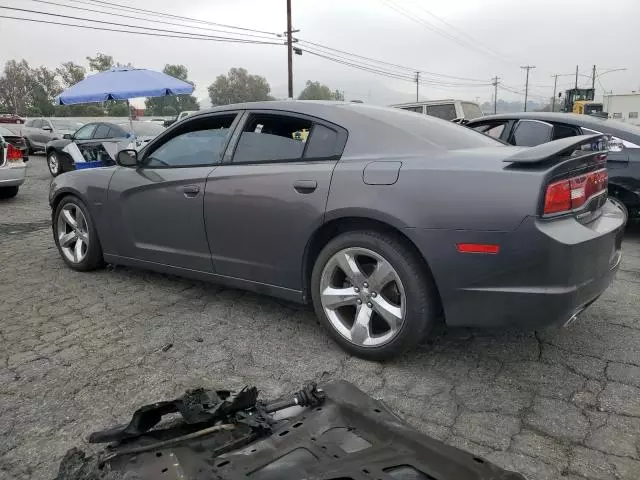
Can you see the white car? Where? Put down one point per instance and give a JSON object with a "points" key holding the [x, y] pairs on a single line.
{"points": [[13, 168]]}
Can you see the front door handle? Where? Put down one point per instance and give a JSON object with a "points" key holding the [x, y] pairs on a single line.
{"points": [[305, 186], [191, 191]]}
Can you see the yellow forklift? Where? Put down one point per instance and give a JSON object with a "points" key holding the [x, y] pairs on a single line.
{"points": [[580, 100]]}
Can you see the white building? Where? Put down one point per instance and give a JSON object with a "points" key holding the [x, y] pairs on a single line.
{"points": [[623, 107]]}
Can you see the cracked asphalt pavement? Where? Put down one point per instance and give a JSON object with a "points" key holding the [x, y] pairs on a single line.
{"points": [[80, 352]]}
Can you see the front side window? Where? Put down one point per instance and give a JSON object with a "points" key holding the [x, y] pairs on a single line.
{"points": [[529, 133], [446, 111], [30, 123], [85, 133], [269, 138], [617, 115], [199, 142], [37, 123]]}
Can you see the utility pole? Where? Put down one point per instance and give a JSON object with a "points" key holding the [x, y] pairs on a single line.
{"points": [[555, 84], [576, 76], [526, 87], [593, 78], [289, 51], [494, 82], [417, 86]]}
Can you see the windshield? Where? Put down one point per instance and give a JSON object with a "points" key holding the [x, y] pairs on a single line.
{"points": [[471, 110], [143, 129], [70, 125]]}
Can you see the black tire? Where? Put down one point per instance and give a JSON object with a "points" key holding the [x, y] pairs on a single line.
{"points": [[55, 156], [620, 205], [93, 258], [422, 302], [8, 192], [30, 150]]}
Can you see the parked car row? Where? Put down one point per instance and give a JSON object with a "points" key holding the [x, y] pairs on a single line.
{"points": [[384, 220]]}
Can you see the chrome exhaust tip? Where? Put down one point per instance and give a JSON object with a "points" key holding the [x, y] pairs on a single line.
{"points": [[573, 318]]}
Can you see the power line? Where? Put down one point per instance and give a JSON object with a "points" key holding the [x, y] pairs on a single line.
{"points": [[169, 15], [132, 17], [415, 18], [460, 32], [104, 22], [95, 27], [382, 62]]}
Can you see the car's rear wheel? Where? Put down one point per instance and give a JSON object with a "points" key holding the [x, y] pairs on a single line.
{"points": [[8, 192], [53, 162], [373, 294], [75, 235], [30, 150]]}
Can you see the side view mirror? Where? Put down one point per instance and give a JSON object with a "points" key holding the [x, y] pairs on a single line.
{"points": [[127, 158], [67, 136], [47, 128]]}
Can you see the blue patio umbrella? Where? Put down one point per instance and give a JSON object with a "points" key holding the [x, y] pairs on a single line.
{"points": [[123, 83]]}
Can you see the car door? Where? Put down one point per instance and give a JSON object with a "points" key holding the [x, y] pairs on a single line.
{"points": [[47, 131], [37, 134], [262, 205], [156, 208]]}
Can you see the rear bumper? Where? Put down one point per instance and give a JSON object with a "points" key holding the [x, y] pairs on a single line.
{"points": [[12, 175], [545, 272]]}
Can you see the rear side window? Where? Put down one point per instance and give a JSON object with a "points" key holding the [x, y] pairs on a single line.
{"points": [[494, 130], [471, 110], [102, 131], [445, 111], [269, 138], [529, 133], [29, 123], [116, 132], [37, 123], [418, 109], [564, 131], [322, 143]]}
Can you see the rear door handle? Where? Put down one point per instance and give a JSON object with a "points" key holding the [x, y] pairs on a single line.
{"points": [[191, 191], [305, 186]]}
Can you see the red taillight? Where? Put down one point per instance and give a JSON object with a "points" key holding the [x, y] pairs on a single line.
{"points": [[13, 154], [573, 193]]}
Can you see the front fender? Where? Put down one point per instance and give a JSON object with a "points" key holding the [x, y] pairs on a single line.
{"points": [[91, 186]]}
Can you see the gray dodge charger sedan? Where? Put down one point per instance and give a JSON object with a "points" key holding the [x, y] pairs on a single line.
{"points": [[383, 219]]}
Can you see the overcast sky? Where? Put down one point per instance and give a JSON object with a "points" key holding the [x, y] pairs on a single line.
{"points": [[480, 39]]}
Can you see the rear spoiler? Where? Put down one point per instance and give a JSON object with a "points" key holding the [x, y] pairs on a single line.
{"points": [[556, 148]]}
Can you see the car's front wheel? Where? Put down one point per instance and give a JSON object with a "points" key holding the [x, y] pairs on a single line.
{"points": [[76, 236], [53, 162], [373, 293], [30, 150]]}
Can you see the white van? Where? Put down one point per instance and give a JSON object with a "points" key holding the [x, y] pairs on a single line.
{"points": [[445, 109]]}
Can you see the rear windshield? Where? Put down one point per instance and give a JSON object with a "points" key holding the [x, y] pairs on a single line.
{"points": [[471, 110], [441, 133], [5, 132]]}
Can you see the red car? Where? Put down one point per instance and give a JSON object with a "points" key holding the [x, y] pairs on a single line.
{"points": [[10, 118]]}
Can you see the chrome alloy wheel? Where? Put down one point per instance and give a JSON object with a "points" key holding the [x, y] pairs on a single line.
{"points": [[73, 233], [53, 164], [363, 297]]}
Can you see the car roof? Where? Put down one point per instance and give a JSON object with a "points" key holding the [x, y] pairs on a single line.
{"points": [[604, 125], [372, 129]]}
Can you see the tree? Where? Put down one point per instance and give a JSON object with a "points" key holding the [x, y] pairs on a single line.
{"points": [[237, 87], [171, 105], [101, 62], [315, 91], [16, 87], [71, 73], [118, 108], [338, 95], [44, 88]]}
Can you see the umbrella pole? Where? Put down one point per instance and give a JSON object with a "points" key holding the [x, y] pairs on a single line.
{"points": [[133, 135]]}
